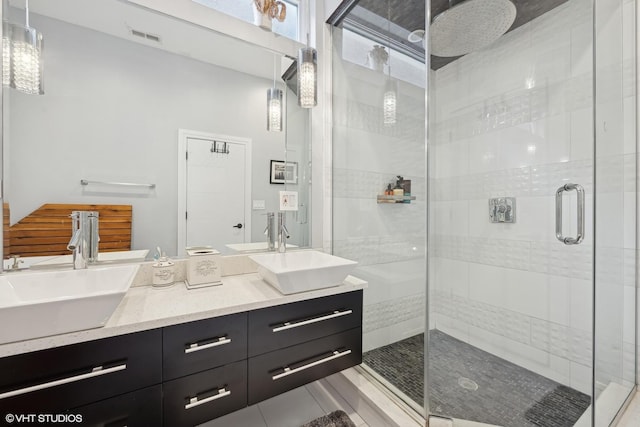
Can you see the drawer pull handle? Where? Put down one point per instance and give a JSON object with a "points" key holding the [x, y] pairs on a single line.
{"points": [[95, 372], [197, 347], [289, 325], [289, 371], [193, 402]]}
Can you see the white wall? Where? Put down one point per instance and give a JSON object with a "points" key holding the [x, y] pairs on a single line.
{"points": [[516, 120], [387, 240], [111, 111]]}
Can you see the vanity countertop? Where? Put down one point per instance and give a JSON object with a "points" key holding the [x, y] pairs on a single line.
{"points": [[146, 307]]}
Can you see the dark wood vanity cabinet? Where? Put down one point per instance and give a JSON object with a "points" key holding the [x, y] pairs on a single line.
{"points": [[200, 397], [285, 325], [56, 379], [140, 408], [294, 344], [197, 346], [187, 374], [281, 370], [205, 369]]}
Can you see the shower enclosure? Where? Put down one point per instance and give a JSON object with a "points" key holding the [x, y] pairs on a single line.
{"points": [[509, 271]]}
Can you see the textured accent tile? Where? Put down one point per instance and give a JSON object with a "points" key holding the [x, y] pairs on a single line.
{"points": [[568, 343], [468, 383], [561, 260], [392, 312]]}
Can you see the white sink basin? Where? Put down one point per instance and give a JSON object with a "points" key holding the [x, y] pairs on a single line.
{"points": [[300, 271], [37, 304], [103, 257]]}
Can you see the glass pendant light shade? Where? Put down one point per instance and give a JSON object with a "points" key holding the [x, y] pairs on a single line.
{"points": [[274, 109], [6, 53], [390, 103], [22, 58], [307, 77]]}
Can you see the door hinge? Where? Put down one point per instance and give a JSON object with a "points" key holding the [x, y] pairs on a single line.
{"points": [[186, 215], [186, 155]]}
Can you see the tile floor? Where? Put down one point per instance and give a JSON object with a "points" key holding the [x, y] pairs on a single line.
{"points": [[631, 417], [294, 408], [291, 409], [469, 383]]}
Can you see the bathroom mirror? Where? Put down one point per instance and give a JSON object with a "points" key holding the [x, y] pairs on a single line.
{"points": [[121, 85]]}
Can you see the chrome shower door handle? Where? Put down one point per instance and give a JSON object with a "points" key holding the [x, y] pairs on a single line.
{"points": [[580, 233]]}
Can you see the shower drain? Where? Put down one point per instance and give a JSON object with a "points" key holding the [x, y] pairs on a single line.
{"points": [[467, 383]]}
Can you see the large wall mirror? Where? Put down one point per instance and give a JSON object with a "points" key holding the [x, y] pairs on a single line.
{"points": [[127, 93]]}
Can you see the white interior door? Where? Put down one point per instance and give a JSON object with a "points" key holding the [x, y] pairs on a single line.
{"points": [[215, 192]]}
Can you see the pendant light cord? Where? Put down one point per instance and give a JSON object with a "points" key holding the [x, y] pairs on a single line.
{"points": [[389, 34], [26, 12], [308, 23], [274, 70]]}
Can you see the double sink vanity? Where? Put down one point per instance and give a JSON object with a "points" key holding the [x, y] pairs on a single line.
{"points": [[103, 344]]}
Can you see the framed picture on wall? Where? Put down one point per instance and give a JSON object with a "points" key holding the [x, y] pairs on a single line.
{"points": [[283, 173]]}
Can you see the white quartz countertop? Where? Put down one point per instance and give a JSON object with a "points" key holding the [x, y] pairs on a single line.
{"points": [[146, 307]]}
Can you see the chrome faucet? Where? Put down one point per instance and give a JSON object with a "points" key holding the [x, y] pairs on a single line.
{"points": [[283, 233], [84, 238], [270, 231]]}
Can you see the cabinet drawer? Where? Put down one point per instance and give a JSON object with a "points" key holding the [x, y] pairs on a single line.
{"points": [[66, 377], [141, 408], [276, 372], [284, 325], [206, 395], [205, 344]]}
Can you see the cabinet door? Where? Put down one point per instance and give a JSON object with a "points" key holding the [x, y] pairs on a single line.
{"points": [[141, 408], [284, 325], [60, 378], [205, 344], [278, 371], [206, 395]]}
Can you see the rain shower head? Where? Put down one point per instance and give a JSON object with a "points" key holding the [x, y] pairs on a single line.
{"points": [[469, 26]]}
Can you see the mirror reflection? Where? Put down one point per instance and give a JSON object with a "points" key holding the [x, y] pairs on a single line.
{"points": [[157, 124]]}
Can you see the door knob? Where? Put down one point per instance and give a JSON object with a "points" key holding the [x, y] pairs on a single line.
{"points": [[238, 226]]}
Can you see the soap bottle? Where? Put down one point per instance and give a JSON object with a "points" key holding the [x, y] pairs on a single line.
{"points": [[388, 191], [398, 190], [163, 271]]}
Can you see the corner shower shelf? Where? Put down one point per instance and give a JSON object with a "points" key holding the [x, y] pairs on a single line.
{"points": [[395, 199]]}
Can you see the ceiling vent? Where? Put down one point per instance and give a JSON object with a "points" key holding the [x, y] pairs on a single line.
{"points": [[147, 36]]}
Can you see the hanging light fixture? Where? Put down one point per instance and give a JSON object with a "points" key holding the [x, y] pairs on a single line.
{"points": [[390, 102], [274, 104], [390, 96], [308, 71], [307, 77], [22, 56]]}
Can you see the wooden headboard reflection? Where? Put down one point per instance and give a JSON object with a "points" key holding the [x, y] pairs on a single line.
{"points": [[47, 230]]}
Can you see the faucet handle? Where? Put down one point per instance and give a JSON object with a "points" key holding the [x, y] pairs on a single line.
{"points": [[16, 262], [286, 232]]}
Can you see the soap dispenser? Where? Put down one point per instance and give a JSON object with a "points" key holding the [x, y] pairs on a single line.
{"points": [[163, 270], [398, 190]]}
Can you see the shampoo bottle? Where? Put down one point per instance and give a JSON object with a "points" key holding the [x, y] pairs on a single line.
{"points": [[398, 190]]}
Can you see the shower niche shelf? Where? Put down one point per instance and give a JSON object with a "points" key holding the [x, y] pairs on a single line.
{"points": [[395, 199]]}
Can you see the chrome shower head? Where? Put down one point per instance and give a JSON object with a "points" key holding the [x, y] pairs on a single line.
{"points": [[469, 26]]}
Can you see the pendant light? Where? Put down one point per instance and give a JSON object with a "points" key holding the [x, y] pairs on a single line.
{"points": [[390, 102], [308, 71], [22, 56], [307, 77], [390, 97], [274, 104]]}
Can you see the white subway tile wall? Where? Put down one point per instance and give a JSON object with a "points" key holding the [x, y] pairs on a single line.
{"points": [[388, 240], [517, 120]]}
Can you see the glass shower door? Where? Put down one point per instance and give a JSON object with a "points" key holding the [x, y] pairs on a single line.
{"points": [[531, 214], [614, 354]]}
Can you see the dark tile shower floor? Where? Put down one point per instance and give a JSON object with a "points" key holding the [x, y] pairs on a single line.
{"points": [[471, 384]]}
